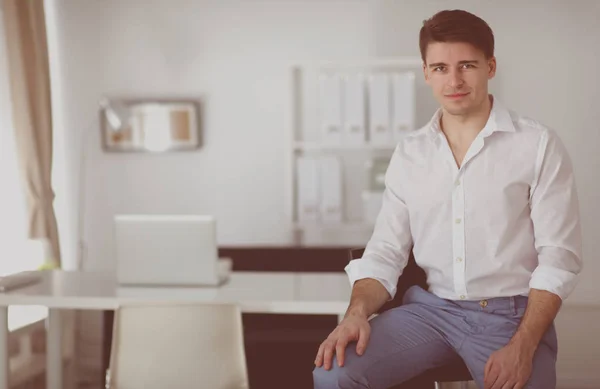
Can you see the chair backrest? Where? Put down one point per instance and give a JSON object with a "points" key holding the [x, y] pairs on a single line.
{"points": [[178, 346], [412, 275]]}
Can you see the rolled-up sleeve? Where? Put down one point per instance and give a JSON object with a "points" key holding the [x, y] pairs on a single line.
{"points": [[556, 220], [387, 252]]}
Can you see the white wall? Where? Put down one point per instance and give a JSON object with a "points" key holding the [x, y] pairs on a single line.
{"points": [[233, 54]]}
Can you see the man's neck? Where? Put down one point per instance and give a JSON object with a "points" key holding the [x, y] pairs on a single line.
{"points": [[461, 129]]}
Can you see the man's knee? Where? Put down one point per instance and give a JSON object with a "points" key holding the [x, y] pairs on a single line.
{"points": [[335, 378]]}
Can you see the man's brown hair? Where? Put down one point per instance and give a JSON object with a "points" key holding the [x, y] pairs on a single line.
{"points": [[457, 26]]}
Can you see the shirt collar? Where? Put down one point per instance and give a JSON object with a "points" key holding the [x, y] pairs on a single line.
{"points": [[499, 120]]}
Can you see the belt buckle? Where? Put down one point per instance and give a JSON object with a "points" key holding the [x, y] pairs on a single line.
{"points": [[483, 303]]}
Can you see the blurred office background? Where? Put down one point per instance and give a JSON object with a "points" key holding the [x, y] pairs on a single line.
{"points": [[245, 63]]}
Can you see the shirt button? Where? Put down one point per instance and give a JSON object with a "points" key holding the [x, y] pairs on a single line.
{"points": [[457, 183], [462, 297], [459, 259], [458, 220]]}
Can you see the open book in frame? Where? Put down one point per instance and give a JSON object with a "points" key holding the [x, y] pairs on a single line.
{"points": [[150, 125]]}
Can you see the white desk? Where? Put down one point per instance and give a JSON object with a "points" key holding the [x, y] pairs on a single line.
{"points": [[256, 292]]}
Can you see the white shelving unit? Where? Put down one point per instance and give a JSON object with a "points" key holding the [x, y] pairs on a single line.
{"points": [[305, 139]]}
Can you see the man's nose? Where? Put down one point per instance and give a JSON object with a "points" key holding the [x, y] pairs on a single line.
{"points": [[455, 79]]}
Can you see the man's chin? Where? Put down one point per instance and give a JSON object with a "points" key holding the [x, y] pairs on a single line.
{"points": [[456, 109]]}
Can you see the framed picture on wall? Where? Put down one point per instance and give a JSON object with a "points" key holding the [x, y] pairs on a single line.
{"points": [[150, 125]]}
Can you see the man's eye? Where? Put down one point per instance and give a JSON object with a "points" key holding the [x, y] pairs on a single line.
{"points": [[438, 69], [468, 66]]}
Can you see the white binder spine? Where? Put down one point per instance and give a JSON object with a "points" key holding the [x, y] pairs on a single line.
{"points": [[379, 109], [330, 108], [331, 189], [404, 106], [354, 110], [308, 189]]}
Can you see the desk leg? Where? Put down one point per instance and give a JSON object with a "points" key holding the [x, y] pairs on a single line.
{"points": [[4, 366], [54, 366]]}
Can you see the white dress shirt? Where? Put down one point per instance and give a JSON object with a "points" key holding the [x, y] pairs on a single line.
{"points": [[506, 221]]}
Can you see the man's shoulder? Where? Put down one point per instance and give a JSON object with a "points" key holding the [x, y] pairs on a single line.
{"points": [[532, 133], [414, 143], [419, 136], [527, 125]]}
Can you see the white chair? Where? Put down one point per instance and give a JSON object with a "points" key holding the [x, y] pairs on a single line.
{"points": [[178, 346]]}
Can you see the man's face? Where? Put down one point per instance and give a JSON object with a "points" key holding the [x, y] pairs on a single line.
{"points": [[458, 74]]}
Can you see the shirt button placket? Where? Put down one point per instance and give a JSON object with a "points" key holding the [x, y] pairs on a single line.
{"points": [[458, 236]]}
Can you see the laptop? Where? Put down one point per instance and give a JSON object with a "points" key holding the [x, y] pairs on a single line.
{"points": [[168, 250]]}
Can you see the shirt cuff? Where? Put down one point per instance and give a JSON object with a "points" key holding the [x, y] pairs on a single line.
{"points": [[554, 280], [358, 269]]}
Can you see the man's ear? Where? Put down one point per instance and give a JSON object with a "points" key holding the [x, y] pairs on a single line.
{"points": [[491, 67]]}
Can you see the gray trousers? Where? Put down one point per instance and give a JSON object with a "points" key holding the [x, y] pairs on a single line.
{"points": [[428, 332]]}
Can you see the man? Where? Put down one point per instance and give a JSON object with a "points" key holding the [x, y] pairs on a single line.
{"points": [[486, 200]]}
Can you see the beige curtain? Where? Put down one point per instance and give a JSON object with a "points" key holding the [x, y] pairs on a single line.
{"points": [[32, 117]]}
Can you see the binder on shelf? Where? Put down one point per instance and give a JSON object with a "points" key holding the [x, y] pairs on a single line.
{"points": [[404, 96], [354, 132], [307, 189], [330, 108], [331, 189], [379, 109]]}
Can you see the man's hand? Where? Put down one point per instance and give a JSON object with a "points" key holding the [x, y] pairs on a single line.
{"points": [[509, 367], [352, 328]]}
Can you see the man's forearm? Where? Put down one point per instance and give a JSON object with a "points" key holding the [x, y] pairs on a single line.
{"points": [[368, 295], [542, 309]]}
